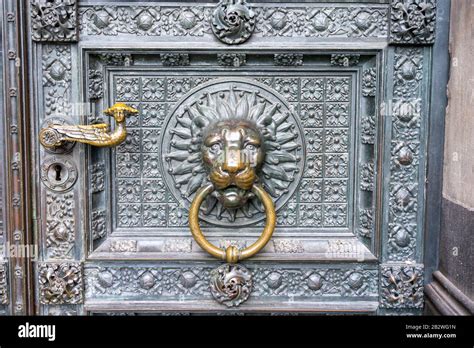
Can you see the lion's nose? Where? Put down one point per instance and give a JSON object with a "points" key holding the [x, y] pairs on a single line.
{"points": [[233, 161]]}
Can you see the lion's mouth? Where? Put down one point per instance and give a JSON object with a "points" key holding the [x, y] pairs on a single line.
{"points": [[233, 196], [223, 180]]}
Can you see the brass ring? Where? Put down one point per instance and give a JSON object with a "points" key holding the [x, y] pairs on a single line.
{"points": [[232, 254]]}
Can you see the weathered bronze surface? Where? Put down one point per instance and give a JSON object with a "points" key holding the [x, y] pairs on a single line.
{"points": [[232, 152], [55, 135], [346, 175]]}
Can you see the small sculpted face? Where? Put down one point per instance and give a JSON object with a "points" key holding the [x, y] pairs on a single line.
{"points": [[120, 117], [233, 152]]}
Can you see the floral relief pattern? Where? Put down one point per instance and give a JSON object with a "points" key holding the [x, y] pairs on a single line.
{"points": [[413, 21], [128, 191], [337, 89], [288, 88], [153, 114], [310, 215], [98, 224], [60, 283], [4, 293], [177, 282], [287, 216], [54, 20], [154, 215], [154, 191], [129, 215], [312, 89], [314, 140], [132, 142], [311, 190], [335, 215], [336, 165], [151, 166], [60, 225], [314, 165], [177, 87], [153, 89], [312, 115], [127, 89], [337, 115], [150, 140], [404, 192], [57, 77], [277, 21], [402, 286], [142, 197], [128, 164], [336, 140], [335, 190]]}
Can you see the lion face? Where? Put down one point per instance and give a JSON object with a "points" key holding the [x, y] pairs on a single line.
{"points": [[232, 151]]}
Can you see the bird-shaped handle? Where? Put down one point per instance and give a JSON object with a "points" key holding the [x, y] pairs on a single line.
{"points": [[55, 135]]}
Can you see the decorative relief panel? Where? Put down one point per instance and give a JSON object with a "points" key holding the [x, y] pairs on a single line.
{"points": [[413, 21], [324, 112], [231, 59], [175, 59], [54, 20], [57, 80], [232, 21], [123, 246], [192, 283], [60, 283], [352, 21], [60, 226], [345, 59], [401, 286], [4, 299], [403, 228], [98, 224], [288, 59], [314, 282], [97, 177], [369, 80], [367, 172]]}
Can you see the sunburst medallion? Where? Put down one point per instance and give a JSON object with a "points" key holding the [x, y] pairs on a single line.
{"points": [[234, 98]]}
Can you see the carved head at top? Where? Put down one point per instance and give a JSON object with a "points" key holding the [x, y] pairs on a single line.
{"points": [[119, 111]]}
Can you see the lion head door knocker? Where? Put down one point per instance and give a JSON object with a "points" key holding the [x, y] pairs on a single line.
{"points": [[233, 155], [233, 22]]}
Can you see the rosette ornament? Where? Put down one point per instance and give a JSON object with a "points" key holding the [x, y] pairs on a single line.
{"points": [[233, 22]]}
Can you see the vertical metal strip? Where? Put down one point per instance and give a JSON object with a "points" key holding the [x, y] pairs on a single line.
{"points": [[16, 159]]}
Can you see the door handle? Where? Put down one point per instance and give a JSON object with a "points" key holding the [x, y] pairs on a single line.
{"points": [[55, 135]]}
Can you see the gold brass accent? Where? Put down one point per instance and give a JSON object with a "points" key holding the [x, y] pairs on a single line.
{"points": [[55, 135], [232, 254]]}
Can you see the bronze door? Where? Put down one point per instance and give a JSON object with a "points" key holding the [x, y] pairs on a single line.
{"points": [[228, 116]]}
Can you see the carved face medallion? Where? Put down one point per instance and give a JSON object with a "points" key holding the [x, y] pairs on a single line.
{"points": [[232, 151], [232, 133]]}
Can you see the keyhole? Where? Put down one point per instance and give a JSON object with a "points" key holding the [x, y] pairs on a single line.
{"points": [[57, 169]]}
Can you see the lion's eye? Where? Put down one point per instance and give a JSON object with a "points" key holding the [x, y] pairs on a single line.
{"points": [[250, 147], [216, 148]]}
